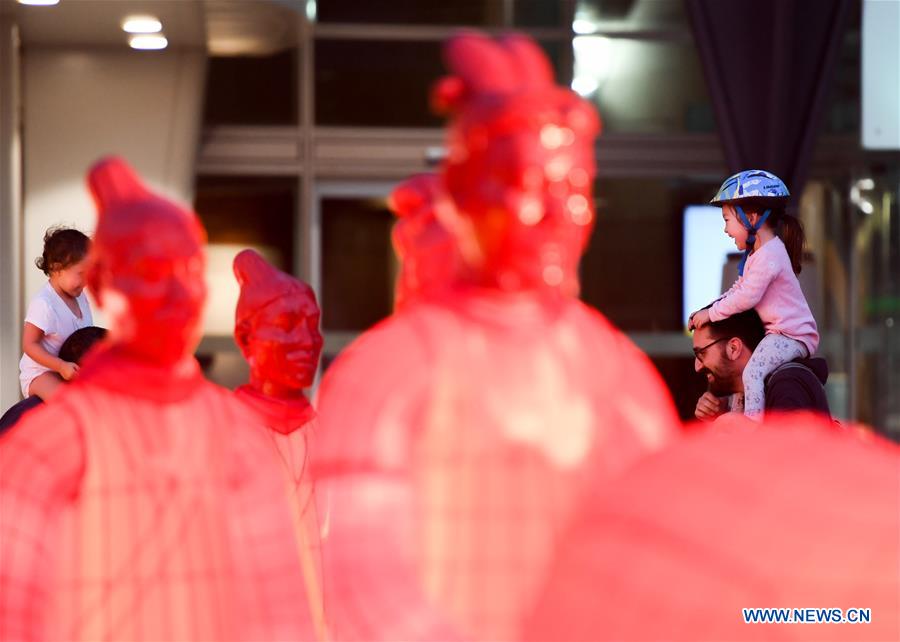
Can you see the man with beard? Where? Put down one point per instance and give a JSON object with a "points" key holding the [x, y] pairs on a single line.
{"points": [[722, 350]]}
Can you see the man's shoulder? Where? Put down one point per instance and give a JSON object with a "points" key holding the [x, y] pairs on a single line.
{"points": [[791, 370], [795, 386], [813, 369]]}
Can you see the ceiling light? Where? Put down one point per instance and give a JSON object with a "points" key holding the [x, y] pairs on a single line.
{"points": [[583, 27], [141, 24], [148, 41], [39, 3]]}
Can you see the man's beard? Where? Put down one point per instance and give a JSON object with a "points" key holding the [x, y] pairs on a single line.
{"points": [[721, 384]]}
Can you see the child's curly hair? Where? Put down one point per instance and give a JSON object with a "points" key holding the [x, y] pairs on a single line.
{"points": [[63, 247]]}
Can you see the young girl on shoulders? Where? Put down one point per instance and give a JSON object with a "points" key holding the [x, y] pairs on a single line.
{"points": [[59, 309], [753, 208]]}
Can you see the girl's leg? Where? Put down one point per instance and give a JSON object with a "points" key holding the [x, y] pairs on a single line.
{"points": [[772, 351], [44, 385]]}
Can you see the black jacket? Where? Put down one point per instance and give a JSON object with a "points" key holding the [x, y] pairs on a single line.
{"points": [[798, 385]]}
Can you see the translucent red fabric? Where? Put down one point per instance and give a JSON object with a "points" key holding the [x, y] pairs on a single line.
{"points": [[145, 503], [456, 441], [794, 513], [290, 431], [458, 436]]}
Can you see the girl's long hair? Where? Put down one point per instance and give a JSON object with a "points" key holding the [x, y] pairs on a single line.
{"points": [[788, 228]]}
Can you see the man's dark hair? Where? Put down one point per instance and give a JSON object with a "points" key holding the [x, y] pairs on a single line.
{"points": [[746, 326], [79, 342]]}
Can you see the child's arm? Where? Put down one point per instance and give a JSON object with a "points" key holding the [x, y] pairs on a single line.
{"points": [[31, 345], [746, 292]]}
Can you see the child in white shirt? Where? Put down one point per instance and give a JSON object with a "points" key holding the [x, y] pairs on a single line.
{"points": [[59, 309]]}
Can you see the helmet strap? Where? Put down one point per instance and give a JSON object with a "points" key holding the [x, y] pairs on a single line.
{"points": [[751, 234]]}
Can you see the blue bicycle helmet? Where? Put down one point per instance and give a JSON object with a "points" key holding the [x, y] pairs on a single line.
{"points": [[751, 184]]}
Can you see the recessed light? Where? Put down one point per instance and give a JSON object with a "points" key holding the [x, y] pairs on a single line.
{"points": [[583, 27], [39, 3], [148, 41], [141, 24]]}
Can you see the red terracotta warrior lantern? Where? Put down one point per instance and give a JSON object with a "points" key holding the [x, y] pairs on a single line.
{"points": [[277, 330], [458, 435]]}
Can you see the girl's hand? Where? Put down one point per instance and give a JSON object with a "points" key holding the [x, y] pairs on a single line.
{"points": [[699, 319], [68, 370]]}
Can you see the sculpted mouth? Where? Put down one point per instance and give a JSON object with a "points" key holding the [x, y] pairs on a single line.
{"points": [[299, 356]]}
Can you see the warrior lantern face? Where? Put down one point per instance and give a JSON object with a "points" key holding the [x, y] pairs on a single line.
{"points": [[521, 166], [146, 267], [283, 343], [276, 326], [528, 197]]}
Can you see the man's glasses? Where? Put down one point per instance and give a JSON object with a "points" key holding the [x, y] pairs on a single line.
{"points": [[698, 352]]}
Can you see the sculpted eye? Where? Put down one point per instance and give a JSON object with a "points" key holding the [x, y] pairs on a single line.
{"points": [[284, 321], [150, 270]]}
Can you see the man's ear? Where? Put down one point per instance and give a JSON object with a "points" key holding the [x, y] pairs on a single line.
{"points": [[734, 347]]}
